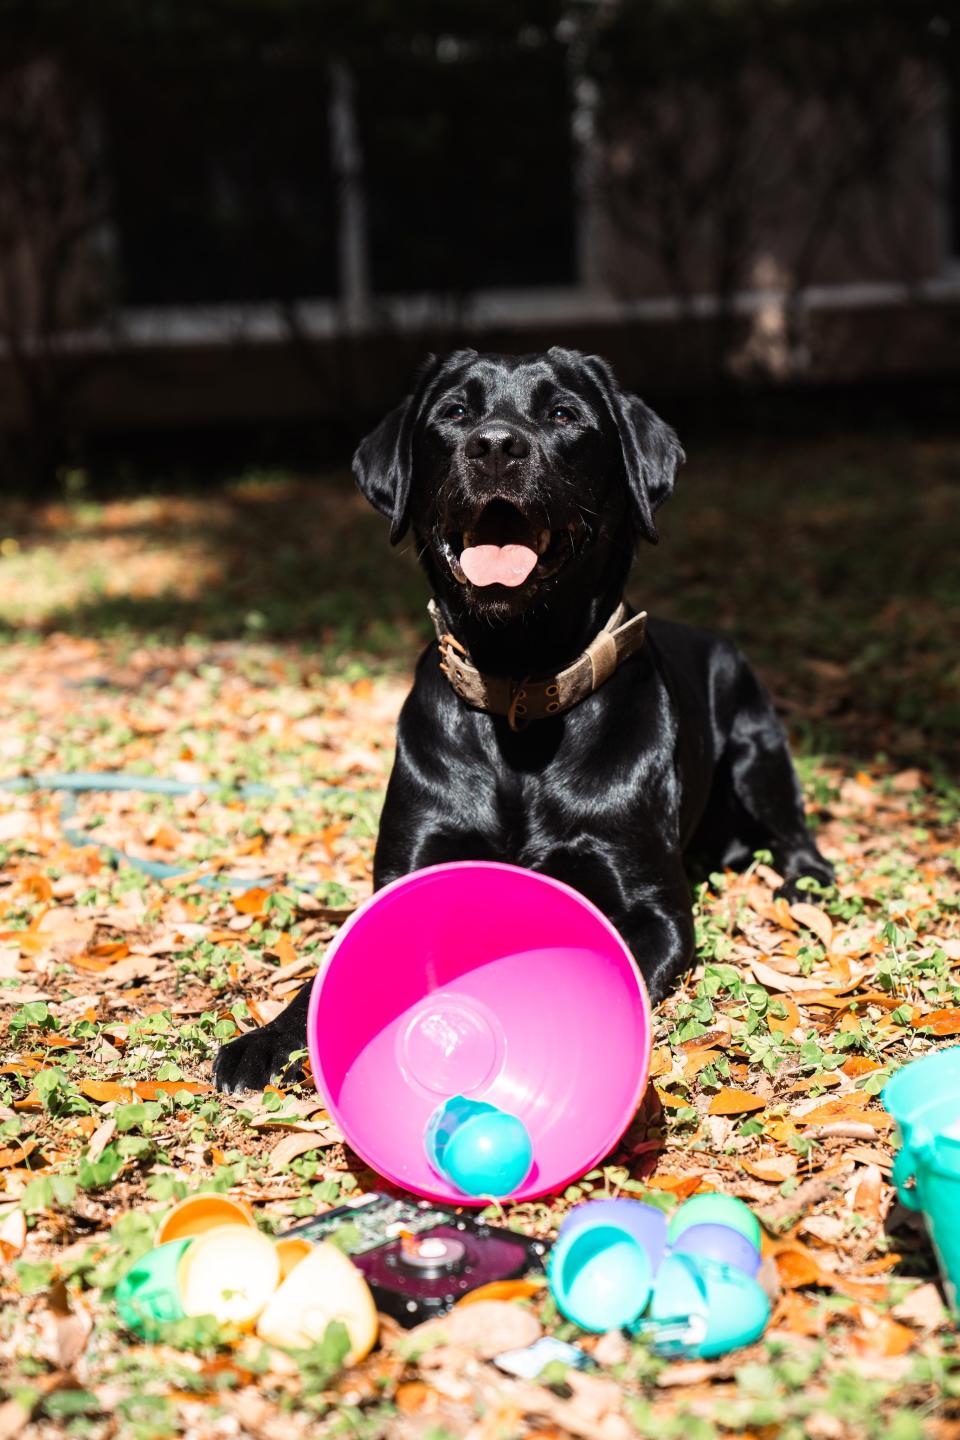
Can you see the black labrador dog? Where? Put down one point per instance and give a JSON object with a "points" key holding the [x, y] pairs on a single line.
{"points": [[559, 731]]}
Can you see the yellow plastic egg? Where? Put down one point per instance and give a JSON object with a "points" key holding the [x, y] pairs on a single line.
{"points": [[325, 1286], [230, 1272]]}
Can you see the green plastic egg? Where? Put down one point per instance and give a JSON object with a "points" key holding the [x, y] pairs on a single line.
{"points": [[715, 1210], [148, 1296]]}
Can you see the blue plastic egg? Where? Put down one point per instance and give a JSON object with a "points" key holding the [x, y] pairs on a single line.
{"points": [[719, 1242]]}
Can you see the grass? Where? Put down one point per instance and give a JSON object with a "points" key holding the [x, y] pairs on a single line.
{"points": [[262, 631]]}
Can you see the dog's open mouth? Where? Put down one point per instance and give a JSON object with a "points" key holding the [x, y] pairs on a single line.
{"points": [[502, 546]]}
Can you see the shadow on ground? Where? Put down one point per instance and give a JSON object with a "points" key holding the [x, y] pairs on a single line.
{"points": [[833, 563]]}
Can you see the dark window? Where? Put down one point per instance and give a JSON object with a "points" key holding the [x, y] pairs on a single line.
{"points": [[469, 173], [223, 190], [222, 184]]}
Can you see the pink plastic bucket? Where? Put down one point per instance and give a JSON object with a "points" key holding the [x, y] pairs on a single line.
{"points": [[488, 981]]}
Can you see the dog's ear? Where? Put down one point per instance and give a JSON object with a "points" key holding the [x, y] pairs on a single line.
{"points": [[651, 451], [383, 461]]}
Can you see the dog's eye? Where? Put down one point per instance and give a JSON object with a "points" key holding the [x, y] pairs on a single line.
{"points": [[562, 414], [456, 411]]}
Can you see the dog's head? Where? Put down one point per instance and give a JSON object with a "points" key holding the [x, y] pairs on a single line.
{"points": [[519, 474]]}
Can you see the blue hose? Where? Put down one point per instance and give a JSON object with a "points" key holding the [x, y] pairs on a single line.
{"points": [[80, 781]]}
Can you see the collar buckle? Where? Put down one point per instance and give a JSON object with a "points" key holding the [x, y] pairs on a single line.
{"points": [[517, 709]]}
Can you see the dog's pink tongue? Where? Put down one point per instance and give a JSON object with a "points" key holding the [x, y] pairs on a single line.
{"points": [[497, 564]]}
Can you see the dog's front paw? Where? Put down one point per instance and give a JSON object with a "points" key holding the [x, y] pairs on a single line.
{"points": [[254, 1059]]}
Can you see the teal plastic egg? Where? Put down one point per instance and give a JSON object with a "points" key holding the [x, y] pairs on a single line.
{"points": [[599, 1276], [726, 1308], [488, 1154]]}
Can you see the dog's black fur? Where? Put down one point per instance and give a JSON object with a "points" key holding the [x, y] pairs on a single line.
{"points": [[678, 757]]}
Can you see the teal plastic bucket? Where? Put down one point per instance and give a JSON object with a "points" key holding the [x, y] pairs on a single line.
{"points": [[924, 1100], [923, 1086]]}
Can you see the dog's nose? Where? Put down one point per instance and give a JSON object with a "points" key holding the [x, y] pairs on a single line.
{"points": [[494, 446]]}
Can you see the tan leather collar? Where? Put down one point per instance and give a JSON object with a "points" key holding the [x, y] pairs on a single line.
{"points": [[524, 700]]}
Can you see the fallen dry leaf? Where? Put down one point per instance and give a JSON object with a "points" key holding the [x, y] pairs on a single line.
{"points": [[668, 1101], [104, 1091], [252, 902], [16, 1154], [284, 950], [826, 1228], [687, 1373], [868, 1193], [101, 1138], [682, 1186], [856, 1065], [845, 1108], [522, 1289], [811, 917], [133, 967], [729, 1101], [797, 1267], [661, 1062], [299, 1142], [774, 1169], [906, 780], [486, 1328], [923, 1307], [697, 1061], [797, 1315], [773, 979], [787, 1023], [150, 1089], [63, 1335], [879, 1335], [295, 1113], [869, 1155], [414, 1397], [826, 1081], [940, 1022], [13, 1234]]}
